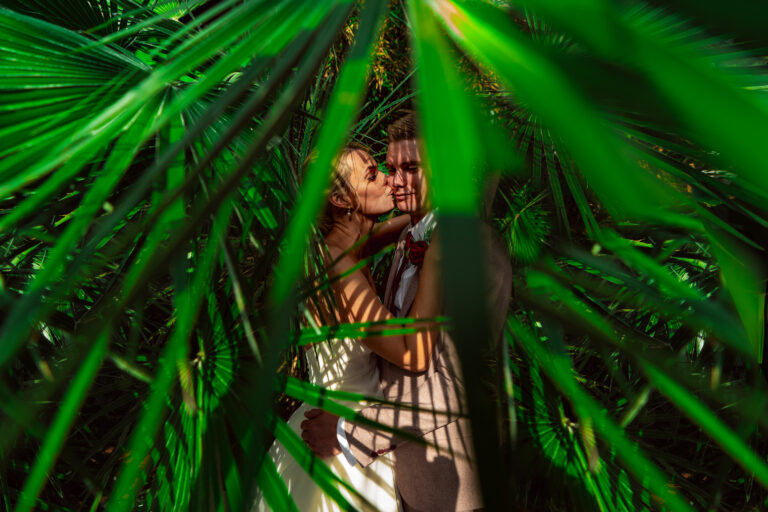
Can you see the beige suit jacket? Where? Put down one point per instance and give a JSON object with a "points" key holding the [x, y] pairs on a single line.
{"points": [[438, 474]]}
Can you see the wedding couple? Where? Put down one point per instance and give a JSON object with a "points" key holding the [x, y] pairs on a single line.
{"points": [[419, 370]]}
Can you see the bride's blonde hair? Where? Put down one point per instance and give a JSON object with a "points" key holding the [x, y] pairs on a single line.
{"points": [[340, 185]]}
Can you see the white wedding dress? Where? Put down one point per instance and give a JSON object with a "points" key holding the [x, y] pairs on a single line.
{"points": [[346, 365]]}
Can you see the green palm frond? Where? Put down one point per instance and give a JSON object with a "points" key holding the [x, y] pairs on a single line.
{"points": [[156, 217], [526, 227]]}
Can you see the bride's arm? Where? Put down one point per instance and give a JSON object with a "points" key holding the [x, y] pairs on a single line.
{"points": [[359, 304], [384, 233]]}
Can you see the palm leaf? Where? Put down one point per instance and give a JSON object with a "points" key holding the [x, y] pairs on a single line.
{"points": [[127, 126]]}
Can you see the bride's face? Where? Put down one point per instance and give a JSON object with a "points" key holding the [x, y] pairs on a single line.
{"points": [[370, 184]]}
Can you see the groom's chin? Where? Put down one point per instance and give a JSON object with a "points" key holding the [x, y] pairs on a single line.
{"points": [[404, 206]]}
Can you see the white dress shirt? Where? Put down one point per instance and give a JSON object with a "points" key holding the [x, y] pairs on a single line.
{"points": [[421, 231]]}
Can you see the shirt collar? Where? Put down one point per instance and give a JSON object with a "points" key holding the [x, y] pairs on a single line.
{"points": [[422, 230]]}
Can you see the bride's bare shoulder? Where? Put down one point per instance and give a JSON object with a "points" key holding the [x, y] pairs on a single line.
{"points": [[337, 260], [335, 284]]}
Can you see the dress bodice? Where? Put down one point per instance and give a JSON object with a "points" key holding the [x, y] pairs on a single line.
{"points": [[343, 365]]}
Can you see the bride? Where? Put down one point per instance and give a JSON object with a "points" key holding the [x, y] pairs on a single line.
{"points": [[359, 194]]}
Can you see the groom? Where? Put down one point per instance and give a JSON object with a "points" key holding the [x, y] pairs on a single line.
{"points": [[438, 474]]}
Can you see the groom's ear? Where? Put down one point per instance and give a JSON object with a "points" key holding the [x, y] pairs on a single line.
{"points": [[340, 200]]}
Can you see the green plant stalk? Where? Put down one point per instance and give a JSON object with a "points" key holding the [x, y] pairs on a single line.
{"points": [[731, 443], [627, 191], [272, 485], [110, 120], [346, 98], [188, 302], [455, 163], [734, 121], [743, 274], [56, 435], [27, 310], [560, 372], [141, 273]]}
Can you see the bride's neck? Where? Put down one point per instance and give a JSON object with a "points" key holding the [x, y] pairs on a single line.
{"points": [[347, 231]]}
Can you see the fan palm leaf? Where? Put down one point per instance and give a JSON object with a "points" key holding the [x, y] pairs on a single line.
{"points": [[155, 232]]}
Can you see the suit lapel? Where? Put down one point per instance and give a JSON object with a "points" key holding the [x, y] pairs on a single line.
{"points": [[396, 260]]}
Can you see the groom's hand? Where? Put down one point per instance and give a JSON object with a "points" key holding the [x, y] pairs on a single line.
{"points": [[319, 432]]}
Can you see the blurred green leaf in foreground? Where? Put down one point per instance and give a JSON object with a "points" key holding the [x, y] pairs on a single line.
{"points": [[156, 232]]}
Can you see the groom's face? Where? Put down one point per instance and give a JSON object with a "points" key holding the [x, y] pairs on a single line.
{"points": [[406, 176]]}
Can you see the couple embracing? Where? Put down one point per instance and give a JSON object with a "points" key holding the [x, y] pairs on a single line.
{"points": [[419, 370]]}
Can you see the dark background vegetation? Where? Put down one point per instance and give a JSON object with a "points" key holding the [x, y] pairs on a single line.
{"points": [[141, 329]]}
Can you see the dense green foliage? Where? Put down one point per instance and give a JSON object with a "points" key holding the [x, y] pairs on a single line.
{"points": [[157, 203]]}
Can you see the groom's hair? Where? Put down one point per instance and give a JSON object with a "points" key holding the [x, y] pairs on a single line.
{"points": [[405, 128]]}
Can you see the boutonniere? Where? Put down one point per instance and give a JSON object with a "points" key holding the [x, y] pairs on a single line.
{"points": [[415, 249]]}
